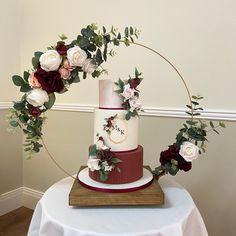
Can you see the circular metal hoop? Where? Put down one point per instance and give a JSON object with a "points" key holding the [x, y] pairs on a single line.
{"points": [[166, 60]]}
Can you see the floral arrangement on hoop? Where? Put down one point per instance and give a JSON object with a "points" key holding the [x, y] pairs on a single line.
{"points": [[64, 64], [55, 70], [190, 142], [102, 159]]}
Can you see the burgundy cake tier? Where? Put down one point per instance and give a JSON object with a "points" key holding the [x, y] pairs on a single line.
{"points": [[131, 168]]}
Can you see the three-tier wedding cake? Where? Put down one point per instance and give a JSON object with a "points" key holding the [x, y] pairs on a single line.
{"points": [[115, 153]]}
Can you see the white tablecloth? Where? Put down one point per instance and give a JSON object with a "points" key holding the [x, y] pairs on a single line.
{"points": [[178, 216]]}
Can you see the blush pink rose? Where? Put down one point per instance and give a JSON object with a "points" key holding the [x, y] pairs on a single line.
{"points": [[68, 66], [33, 81], [65, 73]]}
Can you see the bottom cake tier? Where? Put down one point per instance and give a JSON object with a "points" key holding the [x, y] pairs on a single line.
{"points": [[131, 168]]}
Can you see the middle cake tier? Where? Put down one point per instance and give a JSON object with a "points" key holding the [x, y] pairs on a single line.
{"points": [[122, 134]]}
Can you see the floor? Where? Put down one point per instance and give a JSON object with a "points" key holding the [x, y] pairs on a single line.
{"points": [[15, 223]]}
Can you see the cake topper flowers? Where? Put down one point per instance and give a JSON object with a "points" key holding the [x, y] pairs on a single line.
{"points": [[102, 159], [127, 89]]}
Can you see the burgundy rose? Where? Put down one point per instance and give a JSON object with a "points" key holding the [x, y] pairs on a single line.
{"points": [[101, 138], [61, 48], [184, 165], [134, 83], [125, 105], [173, 153], [109, 121], [105, 155], [34, 111], [50, 81]]}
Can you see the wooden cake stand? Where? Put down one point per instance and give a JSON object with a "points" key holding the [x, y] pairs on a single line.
{"points": [[83, 196]]}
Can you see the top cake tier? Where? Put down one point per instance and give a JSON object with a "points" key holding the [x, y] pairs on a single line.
{"points": [[108, 98]]}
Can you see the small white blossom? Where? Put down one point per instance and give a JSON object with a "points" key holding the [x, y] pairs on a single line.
{"points": [[134, 103], [106, 166]]}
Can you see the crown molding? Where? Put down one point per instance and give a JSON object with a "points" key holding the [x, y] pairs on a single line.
{"points": [[148, 111]]}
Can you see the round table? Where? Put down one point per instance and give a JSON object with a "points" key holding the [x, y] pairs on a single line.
{"points": [[178, 216]]}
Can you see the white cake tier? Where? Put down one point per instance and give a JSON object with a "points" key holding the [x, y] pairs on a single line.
{"points": [[124, 136], [108, 98]]}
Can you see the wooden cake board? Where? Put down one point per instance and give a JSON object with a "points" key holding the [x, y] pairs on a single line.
{"points": [[83, 197]]}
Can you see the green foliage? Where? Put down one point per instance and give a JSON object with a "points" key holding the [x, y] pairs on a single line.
{"points": [[93, 150], [63, 37], [103, 175], [116, 160], [22, 83], [35, 59], [52, 99], [195, 130]]}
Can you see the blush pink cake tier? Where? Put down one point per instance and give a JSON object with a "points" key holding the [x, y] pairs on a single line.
{"points": [[122, 140]]}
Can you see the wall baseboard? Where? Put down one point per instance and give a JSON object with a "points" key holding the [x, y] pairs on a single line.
{"points": [[209, 114], [16, 198]]}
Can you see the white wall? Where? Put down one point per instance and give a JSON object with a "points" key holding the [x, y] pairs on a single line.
{"points": [[197, 36]]}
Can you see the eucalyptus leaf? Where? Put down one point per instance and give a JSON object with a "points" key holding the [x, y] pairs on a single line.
{"points": [[14, 123], [116, 160], [103, 175], [98, 57], [19, 106], [35, 62], [17, 80], [93, 150], [26, 76], [222, 124], [126, 32], [128, 116], [25, 88], [211, 124], [52, 99], [38, 54]]}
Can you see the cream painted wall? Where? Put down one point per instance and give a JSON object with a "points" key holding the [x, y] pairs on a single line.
{"points": [[11, 165], [10, 24], [198, 36], [10, 145]]}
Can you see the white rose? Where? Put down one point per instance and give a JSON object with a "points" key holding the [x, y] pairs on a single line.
{"points": [[189, 151], [134, 103], [93, 163], [89, 66], [76, 56], [50, 60], [128, 92], [100, 145], [37, 97]]}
